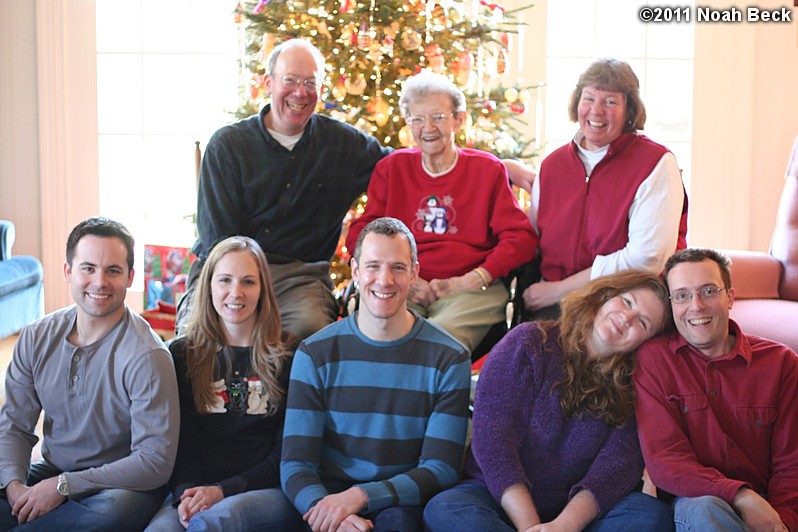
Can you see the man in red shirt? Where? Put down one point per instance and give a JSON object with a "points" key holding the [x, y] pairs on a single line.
{"points": [[717, 409]]}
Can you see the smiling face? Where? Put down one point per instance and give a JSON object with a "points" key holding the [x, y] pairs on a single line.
{"points": [[384, 273], [292, 107], [435, 140], [98, 276], [601, 116], [626, 321], [704, 323], [235, 291]]}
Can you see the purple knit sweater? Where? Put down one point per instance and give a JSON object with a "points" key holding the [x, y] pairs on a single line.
{"points": [[521, 436]]}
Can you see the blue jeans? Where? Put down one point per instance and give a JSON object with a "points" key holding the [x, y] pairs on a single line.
{"points": [[470, 506], [266, 509], [110, 509], [706, 513], [398, 519]]}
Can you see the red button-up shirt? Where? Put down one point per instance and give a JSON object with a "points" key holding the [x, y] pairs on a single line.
{"points": [[712, 426]]}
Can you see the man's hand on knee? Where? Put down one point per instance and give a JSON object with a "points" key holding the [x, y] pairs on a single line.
{"points": [[37, 500], [757, 513], [327, 514]]}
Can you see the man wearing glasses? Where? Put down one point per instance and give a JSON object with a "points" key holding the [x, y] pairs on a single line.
{"points": [[285, 177], [717, 409]]}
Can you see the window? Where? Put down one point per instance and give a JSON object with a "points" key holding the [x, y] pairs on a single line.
{"points": [[167, 76], [661, 55]]}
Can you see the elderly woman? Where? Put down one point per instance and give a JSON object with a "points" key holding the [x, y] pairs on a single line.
{"points": [[609, 200], [459, 205], [554, 437]]}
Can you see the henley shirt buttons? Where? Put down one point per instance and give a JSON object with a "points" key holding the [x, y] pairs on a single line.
{"points": [[75, 378], [684, 409], [713, 393], [76, 358]]}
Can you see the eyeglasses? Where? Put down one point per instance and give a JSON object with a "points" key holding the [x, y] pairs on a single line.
{"points": [[704, 293], [436, 119], [292, 82]]}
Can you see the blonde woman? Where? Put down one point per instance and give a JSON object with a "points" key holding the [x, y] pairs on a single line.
{"points": [[233, 366]]}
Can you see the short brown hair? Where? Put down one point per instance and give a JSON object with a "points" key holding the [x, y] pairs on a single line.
{"points": [[616, 76]]}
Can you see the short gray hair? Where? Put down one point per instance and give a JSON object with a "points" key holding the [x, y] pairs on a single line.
{"points": [[426, 83]]}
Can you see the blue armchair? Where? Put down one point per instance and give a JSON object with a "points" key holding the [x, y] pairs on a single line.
{"points": [[21, 285]]}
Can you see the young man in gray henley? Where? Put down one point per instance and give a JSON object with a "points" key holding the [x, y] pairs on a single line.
{"points": [[107, 386]]}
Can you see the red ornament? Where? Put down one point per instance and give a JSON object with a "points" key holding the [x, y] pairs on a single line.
{"points": [[517, 107], [490, 105]]}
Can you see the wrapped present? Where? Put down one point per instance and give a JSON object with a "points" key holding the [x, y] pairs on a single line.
{"points": [[165, 274]]}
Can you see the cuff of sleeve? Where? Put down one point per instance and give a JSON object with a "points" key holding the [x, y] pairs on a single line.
{"points": [[379, 496]]}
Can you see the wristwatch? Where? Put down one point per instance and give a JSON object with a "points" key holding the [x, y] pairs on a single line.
{"points": [[62, 487]]}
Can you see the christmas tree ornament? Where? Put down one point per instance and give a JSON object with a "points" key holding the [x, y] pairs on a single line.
{"points": [[517, 107], [410, 39], [356, 86], [381, 112], [511, 94], [435, 59], [365, 36], [338, 91]]}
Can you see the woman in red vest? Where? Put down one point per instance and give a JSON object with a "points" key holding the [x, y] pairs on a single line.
{"points": [[609, 200]]}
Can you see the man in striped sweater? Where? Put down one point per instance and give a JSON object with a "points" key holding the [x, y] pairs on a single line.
{"points": [[377, 404]]}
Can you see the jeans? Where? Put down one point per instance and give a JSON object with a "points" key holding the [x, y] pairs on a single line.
{"points": [[110, 509], [706, 513], [398, 519], [266, 509], [469, 506]]}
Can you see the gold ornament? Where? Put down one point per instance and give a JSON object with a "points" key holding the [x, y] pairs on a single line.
{"points": [[511, 94]]}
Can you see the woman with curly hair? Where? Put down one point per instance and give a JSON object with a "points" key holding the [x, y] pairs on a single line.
{"points": [[554, 437], [232, 366]]}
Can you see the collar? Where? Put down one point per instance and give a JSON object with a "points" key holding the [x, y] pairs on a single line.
{"points": [[741, 348]]}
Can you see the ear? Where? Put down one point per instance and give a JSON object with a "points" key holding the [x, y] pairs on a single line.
{"points": [[355, 269], [414, 272], [267, 83], [731, 293], [459, 120], [130, 277], [67, 272]]}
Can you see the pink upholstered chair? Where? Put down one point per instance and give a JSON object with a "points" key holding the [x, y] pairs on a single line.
{"points": [[766, 284]]}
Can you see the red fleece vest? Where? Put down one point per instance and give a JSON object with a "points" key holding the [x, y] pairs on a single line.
{"points": [[581, 218]]}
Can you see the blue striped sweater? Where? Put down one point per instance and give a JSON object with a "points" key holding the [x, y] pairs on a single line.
{"points": [[388, 417]]}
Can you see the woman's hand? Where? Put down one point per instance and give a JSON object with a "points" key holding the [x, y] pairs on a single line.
{"points": [[197, 499], [421, 293], [444, 287], [542, 294]]}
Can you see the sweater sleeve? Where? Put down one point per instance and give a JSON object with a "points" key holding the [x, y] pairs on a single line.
{"points": [[783, 485], [303, 435], [19, 414], [155, 427], [517, 241], [219, 197], [616, 470], [187, 469], [501, 409], [654, 219]]}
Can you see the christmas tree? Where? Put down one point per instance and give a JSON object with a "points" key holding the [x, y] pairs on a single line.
{"points": [[371, 47]]}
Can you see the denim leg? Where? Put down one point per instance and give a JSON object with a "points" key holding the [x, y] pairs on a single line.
{"points": [[706, 513], [112, 509], [267, 509], [398, 519], [166, 519], [468, 506], [637, 512]]}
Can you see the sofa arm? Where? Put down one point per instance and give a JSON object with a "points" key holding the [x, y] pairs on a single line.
{"points": [[755, 274], [7, 235]]}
